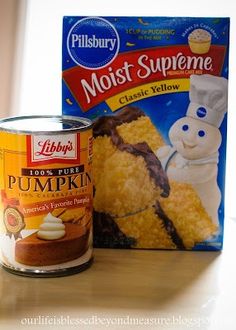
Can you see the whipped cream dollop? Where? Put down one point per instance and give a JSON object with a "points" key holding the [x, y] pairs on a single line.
{"points": [[52, 228]]}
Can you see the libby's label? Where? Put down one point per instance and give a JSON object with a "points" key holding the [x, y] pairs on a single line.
{"points": [[45, 148], [46, 199]]}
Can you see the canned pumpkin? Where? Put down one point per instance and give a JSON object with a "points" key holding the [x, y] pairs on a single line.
{"points": [[46, 195]]}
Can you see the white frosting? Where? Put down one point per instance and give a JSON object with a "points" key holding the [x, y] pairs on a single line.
{"points": [[52, 228]]}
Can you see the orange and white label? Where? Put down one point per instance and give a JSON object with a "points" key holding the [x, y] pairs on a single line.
{"points": [[45, 177]]}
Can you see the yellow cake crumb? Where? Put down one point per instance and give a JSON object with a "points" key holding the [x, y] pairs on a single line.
{"points": [[147, 229], [184, 208], [103, 148], [141, 130], [124, 185]]}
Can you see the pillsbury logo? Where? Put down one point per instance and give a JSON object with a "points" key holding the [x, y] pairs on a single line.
{"points": [[93, 42], [201, 112]]}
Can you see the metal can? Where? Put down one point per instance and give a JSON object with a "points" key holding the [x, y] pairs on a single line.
{"points": [[46, 195]]}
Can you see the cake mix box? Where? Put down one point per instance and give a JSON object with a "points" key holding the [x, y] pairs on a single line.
{"points": [[156, 90]]}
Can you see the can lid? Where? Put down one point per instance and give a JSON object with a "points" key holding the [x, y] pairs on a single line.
{"points": [[44, 124]]}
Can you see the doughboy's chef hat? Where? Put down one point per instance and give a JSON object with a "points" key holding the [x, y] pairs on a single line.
{"points": [[208, 98]]}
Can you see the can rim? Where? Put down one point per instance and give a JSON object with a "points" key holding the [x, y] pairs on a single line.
{"points": [[49, 273], [87, 123]]}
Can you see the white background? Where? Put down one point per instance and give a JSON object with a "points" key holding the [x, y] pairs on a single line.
{"points": [[39, 90]]}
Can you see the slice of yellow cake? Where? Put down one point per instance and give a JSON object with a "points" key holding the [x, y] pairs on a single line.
{"points": [[190, 218], [134, 202]]}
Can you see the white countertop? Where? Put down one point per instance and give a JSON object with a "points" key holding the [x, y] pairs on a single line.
{"points": [[128, 289]]}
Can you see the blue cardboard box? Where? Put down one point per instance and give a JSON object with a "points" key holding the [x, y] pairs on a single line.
{"points": [[156, 90]]}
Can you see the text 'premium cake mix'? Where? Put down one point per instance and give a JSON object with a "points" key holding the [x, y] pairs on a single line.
{"points": [[156, 91], [46, 195]]}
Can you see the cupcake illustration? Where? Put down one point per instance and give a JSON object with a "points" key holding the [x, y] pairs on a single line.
{"points": [[199, 41]]}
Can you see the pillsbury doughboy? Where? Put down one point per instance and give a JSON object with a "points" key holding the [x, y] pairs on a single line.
{"points": [[195, 139]]}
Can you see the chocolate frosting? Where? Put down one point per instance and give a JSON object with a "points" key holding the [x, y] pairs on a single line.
{"points": [[152, 162], [105, 125], [106, 233], [169, 226]]}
